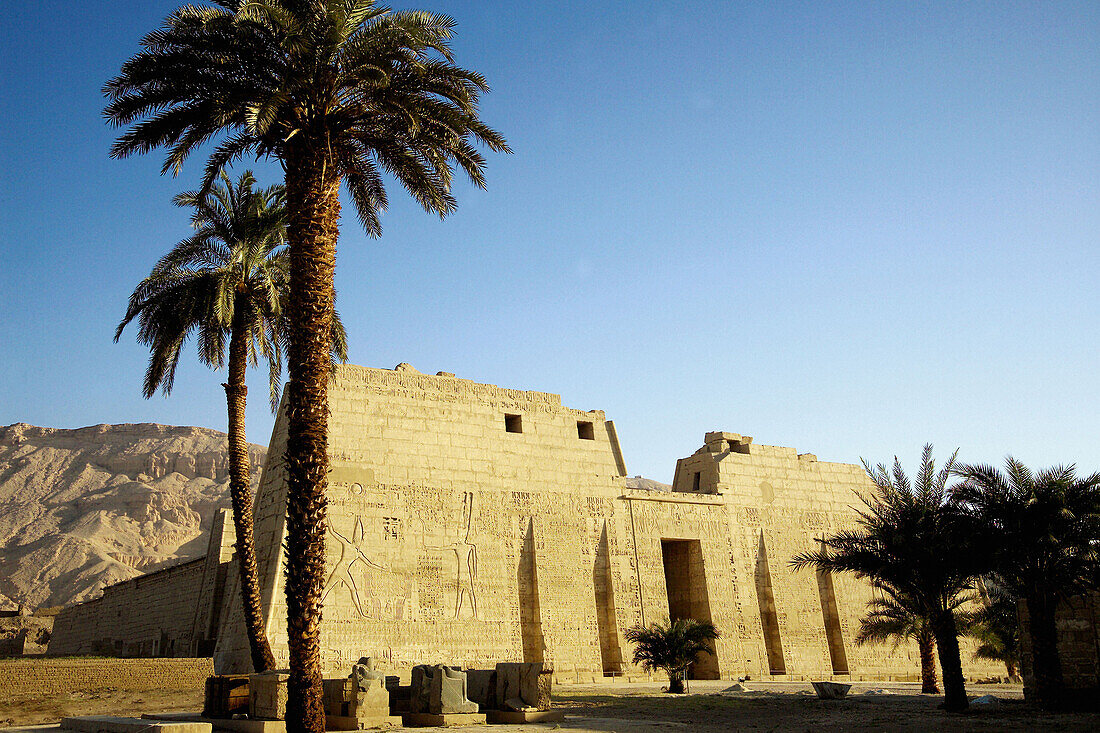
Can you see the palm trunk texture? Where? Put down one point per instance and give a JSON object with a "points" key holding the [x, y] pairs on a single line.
{"points": [[1046, 664], [926, 643], [954, 684], [240, 492], [313, 205]]}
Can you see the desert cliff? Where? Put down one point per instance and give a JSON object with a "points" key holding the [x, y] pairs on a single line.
{"points": [[82, 509]]}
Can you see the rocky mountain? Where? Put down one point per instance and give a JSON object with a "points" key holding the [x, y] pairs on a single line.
{"points": [[640, 482], [82, 509]]}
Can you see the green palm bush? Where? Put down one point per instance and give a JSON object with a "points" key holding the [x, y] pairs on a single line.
{"points": [[912, 538], [671, 647], [1043, 534], [340, 92]]}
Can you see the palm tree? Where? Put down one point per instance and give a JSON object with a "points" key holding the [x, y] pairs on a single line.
{"points": [[339, 92], [896, 617], [1044, 529], [671, 647], [994, 623], [228, 279], [912, 538]]}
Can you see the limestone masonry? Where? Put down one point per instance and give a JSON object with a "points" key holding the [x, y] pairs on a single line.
{"points": [[471, 524]]}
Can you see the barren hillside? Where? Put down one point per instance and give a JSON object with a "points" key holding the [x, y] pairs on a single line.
{"points": [[85, 508]]}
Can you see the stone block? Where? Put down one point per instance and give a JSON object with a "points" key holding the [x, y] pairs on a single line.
{"points": [[112, 724], [237, 725], [481, 687], [225, 696], [830, 690], [347, 722], [430, 720], [517, 718], [267, 695], [523, 686], [439, 690]]}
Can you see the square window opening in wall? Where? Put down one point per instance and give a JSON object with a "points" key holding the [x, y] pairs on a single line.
{"points": [[513, 423], [585, 431]]}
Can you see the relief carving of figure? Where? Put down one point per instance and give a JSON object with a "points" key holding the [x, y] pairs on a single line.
{"points": [[350, 553], [466, 554]]}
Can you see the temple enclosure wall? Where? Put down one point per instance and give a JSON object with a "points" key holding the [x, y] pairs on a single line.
{"points": [[470, 524], [45, 678], [173, 612]]}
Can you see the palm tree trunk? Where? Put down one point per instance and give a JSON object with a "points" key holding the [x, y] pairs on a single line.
{"points": [[240, 492], [313, 208], [676, 682], [954, 684], [1046, 663], [926, 643]]}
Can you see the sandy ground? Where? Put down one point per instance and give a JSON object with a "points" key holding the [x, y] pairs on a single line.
{"points": [[767, 706]]}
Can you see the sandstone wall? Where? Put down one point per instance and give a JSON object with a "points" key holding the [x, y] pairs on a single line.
{"points": [[446, 529], [149, 616], [471, 524], [1078, 623], [56, 677]]}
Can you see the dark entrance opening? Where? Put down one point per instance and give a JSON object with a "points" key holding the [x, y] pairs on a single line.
{"points": [[686, 585]]}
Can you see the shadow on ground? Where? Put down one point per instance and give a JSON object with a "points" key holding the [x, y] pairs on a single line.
{"points": [[796, 710]]}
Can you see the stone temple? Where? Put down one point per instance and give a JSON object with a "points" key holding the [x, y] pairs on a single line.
{"points": [[471, 524]]}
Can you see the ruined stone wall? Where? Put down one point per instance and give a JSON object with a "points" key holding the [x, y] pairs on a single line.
{"points": [[46, 678], [149, 616], [1078, 623]]}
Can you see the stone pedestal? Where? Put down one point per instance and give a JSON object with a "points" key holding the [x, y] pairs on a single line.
{"points": [[225, 696], [439, 690], [359, 700], [267, 694], [523, 687], [428, 720]]}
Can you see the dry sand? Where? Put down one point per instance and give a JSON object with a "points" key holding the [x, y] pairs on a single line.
{"points": [[767, 706]]}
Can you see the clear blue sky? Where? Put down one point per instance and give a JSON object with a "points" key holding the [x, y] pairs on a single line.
{"points": [[847, 228]]}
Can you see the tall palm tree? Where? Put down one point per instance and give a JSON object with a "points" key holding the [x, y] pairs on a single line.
{"points": [[339, 91], [672, 647], [896, 617], [228, 280], [1044, 529], [911, 537]]}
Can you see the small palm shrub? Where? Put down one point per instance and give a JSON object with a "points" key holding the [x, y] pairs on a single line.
{"points": [[671, 647]]}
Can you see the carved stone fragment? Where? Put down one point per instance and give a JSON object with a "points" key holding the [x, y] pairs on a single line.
{"points": [[523, 686], [440, 690]]}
